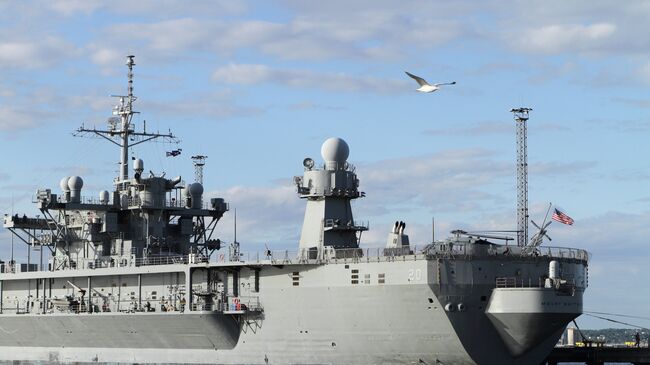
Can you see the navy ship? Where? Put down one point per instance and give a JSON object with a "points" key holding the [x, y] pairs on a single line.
{"points": [[138, 274]]}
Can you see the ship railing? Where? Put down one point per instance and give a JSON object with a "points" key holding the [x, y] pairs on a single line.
{"points": [[94, 200], [467, 250], [540, 282], [125, 307], [232, 305], [563, 253], [327, 255], [162, 260], [443, 250], [82, 200], [517, 282], [137, 202]]}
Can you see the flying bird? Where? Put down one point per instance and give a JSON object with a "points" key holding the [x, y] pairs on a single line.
{"points": [[425, 87], [174, 153]]}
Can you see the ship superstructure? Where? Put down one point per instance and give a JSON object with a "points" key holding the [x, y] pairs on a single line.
{"points": [[138, 275]]}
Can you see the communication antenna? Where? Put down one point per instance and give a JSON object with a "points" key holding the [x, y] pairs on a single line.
{"points": [[121, 130], [521, 119], [12, 236], [199, 162], [433, 229]]}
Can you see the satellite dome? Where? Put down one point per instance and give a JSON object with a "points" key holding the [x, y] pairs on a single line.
{"points": [[75, 183], [196, 189], [335, 150], [103, 196], [63, 184], [138, 165]]}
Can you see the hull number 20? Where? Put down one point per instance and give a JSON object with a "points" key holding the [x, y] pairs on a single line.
{"points": [[415, 274]]}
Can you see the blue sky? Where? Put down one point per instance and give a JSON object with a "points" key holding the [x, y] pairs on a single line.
{"points": [[258, 86]]}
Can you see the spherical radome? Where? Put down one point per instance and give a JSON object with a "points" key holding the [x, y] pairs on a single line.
{"points": [[75, 183], [335, 150], [196, 189], [64, 184]]}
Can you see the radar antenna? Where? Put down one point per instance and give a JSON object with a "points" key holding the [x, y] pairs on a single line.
{"points": [[538, 238], [521, 118], [121, 130], [199, 162]]}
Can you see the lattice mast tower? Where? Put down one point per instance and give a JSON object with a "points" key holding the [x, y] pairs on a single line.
{"points": [[199, 162], [521, 120]]}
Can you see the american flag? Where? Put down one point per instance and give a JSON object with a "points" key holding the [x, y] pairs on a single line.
{"points": [[562, 218]]}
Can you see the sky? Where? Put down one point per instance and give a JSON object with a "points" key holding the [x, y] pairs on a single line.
{"points": [[258, 86]]}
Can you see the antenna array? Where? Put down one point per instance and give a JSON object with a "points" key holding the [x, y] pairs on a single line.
{"points": [[121, 131], [199, 162]]}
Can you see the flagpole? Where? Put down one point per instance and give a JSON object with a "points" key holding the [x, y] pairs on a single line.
{"points": [[547, 211], [12, 236]]}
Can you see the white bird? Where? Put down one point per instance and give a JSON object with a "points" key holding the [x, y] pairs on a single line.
{"points": [[425, 87]]}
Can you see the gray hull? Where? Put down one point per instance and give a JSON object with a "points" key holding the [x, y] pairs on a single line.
{"points": [[402, 321]]}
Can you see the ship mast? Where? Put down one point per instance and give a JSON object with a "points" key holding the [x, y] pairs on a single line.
{"points": [[121, 137], [521, 119], [126, 114]]}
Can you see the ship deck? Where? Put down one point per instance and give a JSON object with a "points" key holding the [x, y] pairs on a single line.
{"points": [[439, 250]]}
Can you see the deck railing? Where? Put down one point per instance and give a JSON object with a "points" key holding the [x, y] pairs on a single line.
{"points": [[330, 255], [220, 303], [564, 285]]}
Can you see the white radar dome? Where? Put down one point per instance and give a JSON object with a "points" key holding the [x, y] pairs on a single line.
{"points": [[103, 196], [335, 150], [63, 184], [75, 183], [138, 165]]}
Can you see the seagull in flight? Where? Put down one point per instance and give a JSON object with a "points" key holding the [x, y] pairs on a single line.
{"points": [[425, 87]]}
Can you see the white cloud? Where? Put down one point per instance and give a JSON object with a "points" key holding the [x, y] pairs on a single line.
{"points": [[485, 128], [71, 7], [375, 32], [636, 102], [34, 54], [475, 130], [644, 72], [159, 8], [309, 105], [12, 119], [271, 215], [554, 169], [254, 74], [558, 38], [213, 106], [243, 74], [449, 181], [104, 56]]}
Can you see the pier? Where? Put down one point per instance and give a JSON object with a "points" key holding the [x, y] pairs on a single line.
{"points": [[599, 355]]}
